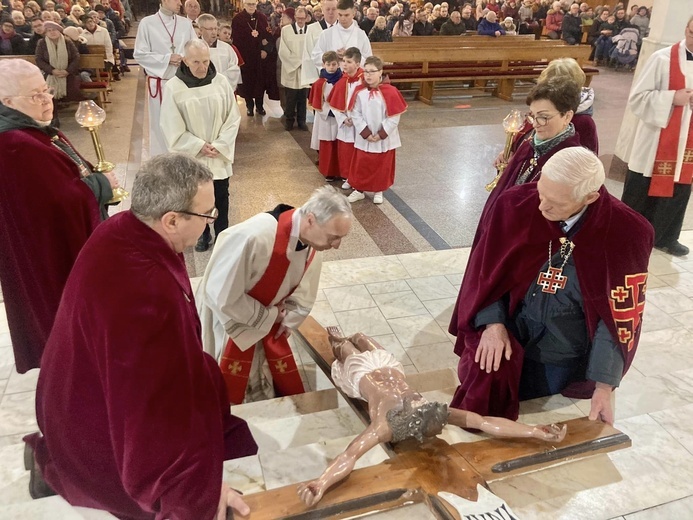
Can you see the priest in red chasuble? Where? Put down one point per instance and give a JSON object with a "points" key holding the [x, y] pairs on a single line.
{"points": [[660, 166], [133, 413], [260, 284], [554, 292]]}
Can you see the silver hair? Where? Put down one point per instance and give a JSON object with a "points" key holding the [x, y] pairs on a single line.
{"points": [[326, 203], [418, 422], [18, 70], [577, 167], [206, 17], [168, 182], [195, 43]]}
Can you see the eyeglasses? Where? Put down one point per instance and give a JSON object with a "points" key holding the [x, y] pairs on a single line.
{"points": [[539, 120], [211, 216], [37, 99], [371, 71]]}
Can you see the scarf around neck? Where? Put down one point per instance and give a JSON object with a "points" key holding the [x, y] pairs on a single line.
{"points": [[541, 147], [58, 58], [184, 74], [331, 78]]}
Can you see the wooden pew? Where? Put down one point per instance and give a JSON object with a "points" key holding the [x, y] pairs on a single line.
{"points": [[504, 63], [466, 38]]}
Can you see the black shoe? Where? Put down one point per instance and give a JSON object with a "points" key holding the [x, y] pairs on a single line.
{"points": [[302, 126], [288, 124], [674, 249], [202, 244], [250, 112], [331, 179], [125, 68], [38, 488], [261, 111]]}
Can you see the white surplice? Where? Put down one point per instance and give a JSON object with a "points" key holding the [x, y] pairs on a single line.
{"points": [[337, 37], [240, 257], [309, 72], [291, 46], [153, 52], [191, 117], [346, 133], [226, 62], [324, 125], [369, 111], [652, 102]]}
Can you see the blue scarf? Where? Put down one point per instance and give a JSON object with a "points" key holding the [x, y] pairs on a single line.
{"points": [[331, 78]]}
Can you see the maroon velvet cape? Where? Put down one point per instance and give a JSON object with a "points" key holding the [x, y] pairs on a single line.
{"points": [[612, 250], [257, 73], [46, 215], [134, 414]]}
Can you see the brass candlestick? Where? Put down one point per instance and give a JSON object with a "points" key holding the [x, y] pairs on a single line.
{"points": [[91, 116], [511, 124]]}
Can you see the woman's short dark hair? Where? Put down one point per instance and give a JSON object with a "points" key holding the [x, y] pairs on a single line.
{"points": [[562, 92]]}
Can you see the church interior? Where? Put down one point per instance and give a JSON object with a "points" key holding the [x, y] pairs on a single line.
{"points": [[396, 278]]}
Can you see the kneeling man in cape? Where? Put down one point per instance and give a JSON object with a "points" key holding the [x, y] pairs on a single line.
{"points": [[365, 370], [553, 295]]}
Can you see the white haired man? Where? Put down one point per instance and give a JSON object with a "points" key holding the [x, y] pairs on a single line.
{"points": [[309, 71], [222, 54], [158, 49], [554, 292], [200, 117], [261, 283]]}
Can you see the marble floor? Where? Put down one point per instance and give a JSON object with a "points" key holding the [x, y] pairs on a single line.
{"points": [[396, 278]]}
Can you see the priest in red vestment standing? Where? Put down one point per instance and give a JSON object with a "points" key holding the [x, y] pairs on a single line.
{"points": [[554, 292], [260, 284], [133, 413]]}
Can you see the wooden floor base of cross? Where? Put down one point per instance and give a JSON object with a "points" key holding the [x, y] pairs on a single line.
{"points": [[417, 472]]}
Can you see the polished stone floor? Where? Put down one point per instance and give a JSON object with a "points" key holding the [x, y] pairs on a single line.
{"points": [[396, 278]]}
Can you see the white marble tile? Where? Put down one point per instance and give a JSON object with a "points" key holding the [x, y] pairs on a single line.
{"points": [[400, 304], [433, 357], [387, 287], [195, 282], [547, 410], [678, 509], [392, 344], [432, 288], [444, 378], [6, 362], [51, 508], [349, 298], [679, 423], [22, 382], [455, 279], [14, 479], [655, 318], [316, 379], [410, 369], [663, 264], [417, 330], [664, 351], [431, 263], [653, 282], [441, 310], [17, 414], [361, 271], [683, 282], [685, 319], [322, 312], [656, 469], [369, 321], [296, 465], [5, 340], [290, 406], [320, 296], [669, 300], [244, 474]]}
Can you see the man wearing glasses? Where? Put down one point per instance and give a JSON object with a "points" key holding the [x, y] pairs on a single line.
{"points": [[133, 414], [223, 56], [260, 284], [200, 117], [50, 202]]}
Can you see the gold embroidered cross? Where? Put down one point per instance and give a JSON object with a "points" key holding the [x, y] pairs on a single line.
{"points": [[688, 156], [665, 168], [235, 368], [281, 366]]}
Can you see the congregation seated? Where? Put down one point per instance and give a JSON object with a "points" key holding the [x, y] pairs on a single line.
{"points": [[405, 24], [509, 26], [572, 26], [454, 26], [380, 32], [38, 30], [22, 27], [489, 26], [422, 27], [11, 43]]}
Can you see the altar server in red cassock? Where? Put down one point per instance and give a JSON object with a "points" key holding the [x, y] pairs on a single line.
{"points": [[324, 138], [134, 414], [554, 292], [375, 109], [660, 167], [339, 100], [261, 283]]}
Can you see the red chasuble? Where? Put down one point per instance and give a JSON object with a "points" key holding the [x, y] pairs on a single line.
{"points": [[235, 363], [662, 184], [46, 215], [133, 412], [612, 250]]}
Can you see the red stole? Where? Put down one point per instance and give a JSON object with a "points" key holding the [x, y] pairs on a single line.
{"points": [[662, 184], [316, 93], [338, 98], [394, 102], [235, 363]]}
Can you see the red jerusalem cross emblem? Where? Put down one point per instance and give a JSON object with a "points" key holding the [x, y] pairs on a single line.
{"points": [[627, 304], [552, 280]]}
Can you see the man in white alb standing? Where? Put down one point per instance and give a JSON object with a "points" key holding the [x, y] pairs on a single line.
{"points": [[342, 35], [309, 72], [158, 49], [223, 56]]}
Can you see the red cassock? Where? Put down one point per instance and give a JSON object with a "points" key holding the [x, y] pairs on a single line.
{"points": [[612, 250], [134, 414], [46, 215]]}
